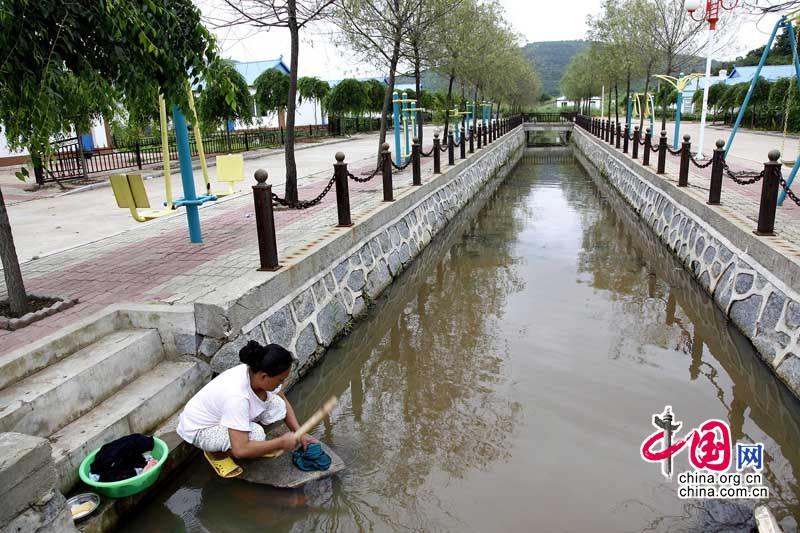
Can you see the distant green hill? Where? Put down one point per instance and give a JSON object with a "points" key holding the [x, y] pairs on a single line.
{"points": [[550, 58]]}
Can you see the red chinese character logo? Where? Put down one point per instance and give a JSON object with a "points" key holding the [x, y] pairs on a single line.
{"points": [[710, 445]]}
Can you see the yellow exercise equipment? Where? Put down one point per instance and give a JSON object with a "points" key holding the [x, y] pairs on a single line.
{"points": [[230, 170], [198, 138], [130, 193], [129, 189]]}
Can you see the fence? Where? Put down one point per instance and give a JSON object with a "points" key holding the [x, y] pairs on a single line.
{"points": [[70, 161], [770, 177], [263, 196]]}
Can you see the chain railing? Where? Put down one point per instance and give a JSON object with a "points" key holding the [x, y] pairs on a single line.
{"points": [[770, 177], [305, 204]]}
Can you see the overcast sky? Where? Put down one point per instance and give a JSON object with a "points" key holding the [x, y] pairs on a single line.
{"points": [[536, 20]]}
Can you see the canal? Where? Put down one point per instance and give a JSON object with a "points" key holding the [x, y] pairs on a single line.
{"points": [[506, 383]]}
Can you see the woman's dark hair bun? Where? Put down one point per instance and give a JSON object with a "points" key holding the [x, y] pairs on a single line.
{"points": [[273, 359], [251, 353]]}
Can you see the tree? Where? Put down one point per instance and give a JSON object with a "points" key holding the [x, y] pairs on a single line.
{"points": [[293, 15], [348, 97], [375, 92], [272, 91], [314, 89], [61, 67], [376, 30], [420, 44], [225, 96]]}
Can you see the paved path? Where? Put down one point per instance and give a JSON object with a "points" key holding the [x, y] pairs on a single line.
{"points": [[741, 202], [52, 223], [155, 262]]}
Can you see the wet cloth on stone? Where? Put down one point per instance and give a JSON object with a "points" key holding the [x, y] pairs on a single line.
{"points": [[312, 458], [119, 459]]}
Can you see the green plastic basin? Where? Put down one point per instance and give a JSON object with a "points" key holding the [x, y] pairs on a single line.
{"points": [[130, 486]]}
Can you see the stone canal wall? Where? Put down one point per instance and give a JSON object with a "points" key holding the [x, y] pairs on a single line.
{"points": [[754, 284], [305, 307]]}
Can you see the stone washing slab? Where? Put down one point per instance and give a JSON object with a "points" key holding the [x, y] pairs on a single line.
{"points": [[348, 269], [755, 284], [281, 472]]}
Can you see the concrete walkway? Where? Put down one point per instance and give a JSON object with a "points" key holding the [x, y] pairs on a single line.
{"points": [[52, 223], [738, 201], [155, 263]]}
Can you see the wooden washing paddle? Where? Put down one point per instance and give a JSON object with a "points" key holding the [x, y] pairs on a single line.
{"points": [[309, 424]]}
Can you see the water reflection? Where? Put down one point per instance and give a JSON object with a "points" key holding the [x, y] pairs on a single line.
{"points": [[508, 381]]}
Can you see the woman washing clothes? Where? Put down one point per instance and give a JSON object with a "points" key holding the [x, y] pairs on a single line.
{"points": [[226, 417]]}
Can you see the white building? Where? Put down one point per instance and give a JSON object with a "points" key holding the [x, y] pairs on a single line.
{"points": [[564, 103]]}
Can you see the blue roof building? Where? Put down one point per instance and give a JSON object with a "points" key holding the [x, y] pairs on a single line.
{"points": [[251, 70], [768, 72]]}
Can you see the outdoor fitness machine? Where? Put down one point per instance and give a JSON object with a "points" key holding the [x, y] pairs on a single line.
{"points": [[129, 189], [649, 107], [680, 85], [784, 22], [405, 119], [486, 112]]}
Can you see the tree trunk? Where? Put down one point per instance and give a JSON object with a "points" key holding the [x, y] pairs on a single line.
{"points": [[418, 87], [291, 105], [628, 95], [664, 103], [475, 109], [17, 298], [449, 106], [387, 97], [646, 100], [616, 100]]}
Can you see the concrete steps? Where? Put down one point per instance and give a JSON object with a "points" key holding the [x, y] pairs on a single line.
{"points": [[46, 401], [85, 390], [136, 408]]}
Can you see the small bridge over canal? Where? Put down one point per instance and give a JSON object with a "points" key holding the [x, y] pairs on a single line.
{"points": [[548, 129]]}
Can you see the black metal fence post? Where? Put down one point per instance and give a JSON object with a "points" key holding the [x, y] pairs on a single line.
{"points": [[472, 139], [416, 175], [769, 194], [619, 134], [485, 135], [451, 156], [463, 145], [246, 142], [480, 135], [717, 167], [683, 173], [609, 130], [342, 191], [265, 223], [437, 155], [648, 141], [636, 137], [386, 170], [612, 131], [662, 153], [625, 139], [138, 154]]}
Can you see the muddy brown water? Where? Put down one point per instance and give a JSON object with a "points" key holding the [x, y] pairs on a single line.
{"points": [[507, 381]]}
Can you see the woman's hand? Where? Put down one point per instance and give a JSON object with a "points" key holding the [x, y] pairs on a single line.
{"points": [[305, 440], [287, 441]]}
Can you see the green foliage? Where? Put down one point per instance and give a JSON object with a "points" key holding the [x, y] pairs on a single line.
{"points": [[780, 54], [272, 91], [312, 88], [375, 94], [66, 64], [551, 59], [225, 96], [348, 97]]}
